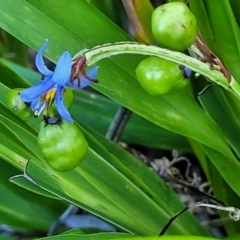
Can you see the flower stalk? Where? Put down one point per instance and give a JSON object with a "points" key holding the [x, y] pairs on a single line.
{"points": [[97, 53]]}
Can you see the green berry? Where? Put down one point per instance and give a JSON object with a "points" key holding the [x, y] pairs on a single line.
{"points": [[158, 76], [174, 26]]}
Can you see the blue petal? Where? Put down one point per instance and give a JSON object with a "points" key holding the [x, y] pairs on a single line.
{"points": [[63, 69], [34, 103], [40, 63], [61, 108], [29, 94], [92, 72], [84, 82]]}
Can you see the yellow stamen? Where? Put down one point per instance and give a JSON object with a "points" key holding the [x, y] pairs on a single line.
{"points": [[51, 94], [48, 98]]}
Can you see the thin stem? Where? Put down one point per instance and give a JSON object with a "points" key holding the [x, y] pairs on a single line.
{"points": [[97, 53], [118, 124], [234, 213]]}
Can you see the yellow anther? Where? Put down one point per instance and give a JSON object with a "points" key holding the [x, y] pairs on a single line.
{"points": [[51, 94]]}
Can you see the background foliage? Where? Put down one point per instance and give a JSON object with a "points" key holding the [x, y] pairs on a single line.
{"points": [[111, 183]]}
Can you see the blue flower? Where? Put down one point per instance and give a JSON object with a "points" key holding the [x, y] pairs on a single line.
{"points": [[51, 89]]}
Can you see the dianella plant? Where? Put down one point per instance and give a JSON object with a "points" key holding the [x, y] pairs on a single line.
{"points": [[107, 75]]}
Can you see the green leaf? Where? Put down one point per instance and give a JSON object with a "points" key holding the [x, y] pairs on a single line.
{"points": [[236, 8], [109, 200], [226, 34], [92, 180], [203, 22], [95, 236], [134, 170], [23, 182], [119, 236], [216, 105], [19, 207], [10, 78], [7, 237], [228, 167], [74, 231], [30, 75], [14, 136], [108, 7], [127, 175], [168, 112]]}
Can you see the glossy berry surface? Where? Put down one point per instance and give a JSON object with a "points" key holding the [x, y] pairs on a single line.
{"points": [[158, 76], [174, 26], [63, 145]]}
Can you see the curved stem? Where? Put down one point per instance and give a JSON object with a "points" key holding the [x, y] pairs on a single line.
{"points": [[97, 53]]}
